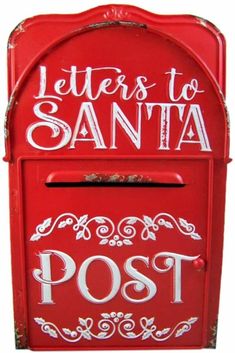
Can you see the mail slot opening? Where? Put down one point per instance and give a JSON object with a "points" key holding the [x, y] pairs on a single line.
{"points": [[74, 179], [112, 184]]}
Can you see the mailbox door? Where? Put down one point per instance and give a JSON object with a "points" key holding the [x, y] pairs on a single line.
{"points": [[115, 257]]}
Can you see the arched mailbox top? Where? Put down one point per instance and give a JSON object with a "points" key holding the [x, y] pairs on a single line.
{"points": [[116, 81]]}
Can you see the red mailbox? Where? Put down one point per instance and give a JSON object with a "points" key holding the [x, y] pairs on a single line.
{"points": [[117, 143]]}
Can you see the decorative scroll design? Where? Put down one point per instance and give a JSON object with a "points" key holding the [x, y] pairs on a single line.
{"points": [[116, 13], [119, 323], [108, 233]]}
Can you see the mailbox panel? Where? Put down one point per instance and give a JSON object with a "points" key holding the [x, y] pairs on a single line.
{"points": [[141, 226], [117, 143]]}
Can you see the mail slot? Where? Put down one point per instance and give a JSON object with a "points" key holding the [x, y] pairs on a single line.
{"points": [[117, 143]]}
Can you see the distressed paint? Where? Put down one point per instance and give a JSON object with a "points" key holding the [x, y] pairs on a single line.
{"points": [[212, 342], [20, 339], [94, 177]]}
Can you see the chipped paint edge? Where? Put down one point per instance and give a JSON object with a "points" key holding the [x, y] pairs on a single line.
{"points": [[227, 116], [213, 337], [15, 33], [207, 24], [116, 178], [226, 109], [115, 23], [10, 105], [20, 339], [202, 21]]}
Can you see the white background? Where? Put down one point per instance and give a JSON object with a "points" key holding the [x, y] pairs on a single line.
{"points": [[220, 13]]}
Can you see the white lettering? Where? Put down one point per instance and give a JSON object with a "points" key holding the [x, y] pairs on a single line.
{"points": [[84, 79], [43, 275], [87, 111], [115, 274], [56, 125], [93, 83], [134, 134], [188, 91], [140, 281], [162, 262], [195, 115], [165, 120], [174, 261]]}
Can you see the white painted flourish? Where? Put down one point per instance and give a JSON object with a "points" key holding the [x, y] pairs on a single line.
{"points": [[112, 235], [120, 323]]}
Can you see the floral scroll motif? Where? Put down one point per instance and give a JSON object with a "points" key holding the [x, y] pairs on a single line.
{"points": [[121, 234], [116, 13], [116, 323]]}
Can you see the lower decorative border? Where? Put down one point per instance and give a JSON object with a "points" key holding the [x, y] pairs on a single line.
{"points": [[115, 322]]}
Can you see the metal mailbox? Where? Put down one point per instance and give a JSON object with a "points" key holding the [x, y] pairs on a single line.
{"points": [[117, 143]]}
